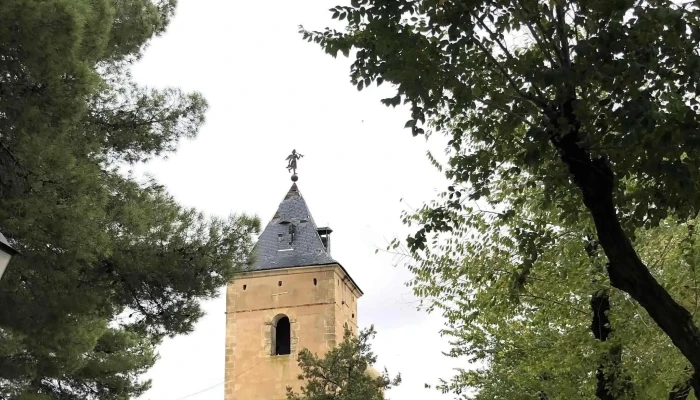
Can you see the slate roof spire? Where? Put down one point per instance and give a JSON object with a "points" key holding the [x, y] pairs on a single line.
{"points": [[291, 238]]}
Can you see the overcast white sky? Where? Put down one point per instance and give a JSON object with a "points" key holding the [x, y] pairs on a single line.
{"points": [[269, 92]]}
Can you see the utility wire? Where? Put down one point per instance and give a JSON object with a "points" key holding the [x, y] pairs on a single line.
{"points": [[220, 383], [201, 391]]}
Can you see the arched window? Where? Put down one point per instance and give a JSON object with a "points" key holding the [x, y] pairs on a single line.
{"points": [[282, 337]]}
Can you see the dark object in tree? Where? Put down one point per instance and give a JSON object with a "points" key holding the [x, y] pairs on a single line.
{"points": [[608, 375], [599, 107], [610, 384]]}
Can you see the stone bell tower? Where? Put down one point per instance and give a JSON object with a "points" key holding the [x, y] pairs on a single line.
{"points": [[294, 296]]}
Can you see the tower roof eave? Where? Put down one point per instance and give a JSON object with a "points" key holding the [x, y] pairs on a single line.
{"points": [[345, 272]]}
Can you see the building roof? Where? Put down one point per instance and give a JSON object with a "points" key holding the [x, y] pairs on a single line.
{"points": [[291, 238]]}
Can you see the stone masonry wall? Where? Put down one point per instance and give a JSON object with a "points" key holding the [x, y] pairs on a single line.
{"points": [[317, 313]]}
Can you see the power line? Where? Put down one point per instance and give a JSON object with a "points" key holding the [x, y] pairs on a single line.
{"points": [[201, 391], [220, 383]]}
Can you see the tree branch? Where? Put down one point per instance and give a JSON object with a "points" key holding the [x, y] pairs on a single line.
{"points": [[506, 111], [513, 84], [554, 302], [563, 39], [506, 52], [680, 391]]}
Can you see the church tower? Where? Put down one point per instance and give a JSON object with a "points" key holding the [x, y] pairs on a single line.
{"points": [[294, 296]]}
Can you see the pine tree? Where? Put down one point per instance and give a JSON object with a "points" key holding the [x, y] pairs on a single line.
{"points": [[344, 373], [108, 264]]}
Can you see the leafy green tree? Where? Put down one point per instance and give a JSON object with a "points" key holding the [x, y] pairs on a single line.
{"points": [[109, 264], [595, 102], [344, 373], [560, 331]]}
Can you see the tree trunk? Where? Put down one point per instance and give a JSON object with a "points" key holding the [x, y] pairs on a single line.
{"points": [[35, 385], [680, 391], [626, 270]]}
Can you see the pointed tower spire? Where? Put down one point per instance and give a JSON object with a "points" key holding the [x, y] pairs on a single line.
{"points": [[291, 238], [294, 296]]}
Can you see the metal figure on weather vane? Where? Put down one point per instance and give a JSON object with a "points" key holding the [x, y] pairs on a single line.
{"points": [[292, 164]]}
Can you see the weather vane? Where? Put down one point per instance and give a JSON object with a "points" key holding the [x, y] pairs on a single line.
{"points": [[292, 164]]}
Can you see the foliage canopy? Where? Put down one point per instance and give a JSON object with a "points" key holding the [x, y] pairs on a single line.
{"points": [[560, 331], [109, 265], [593, 102]]}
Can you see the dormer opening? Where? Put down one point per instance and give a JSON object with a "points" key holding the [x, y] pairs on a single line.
{"points": [[325, 234]]}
